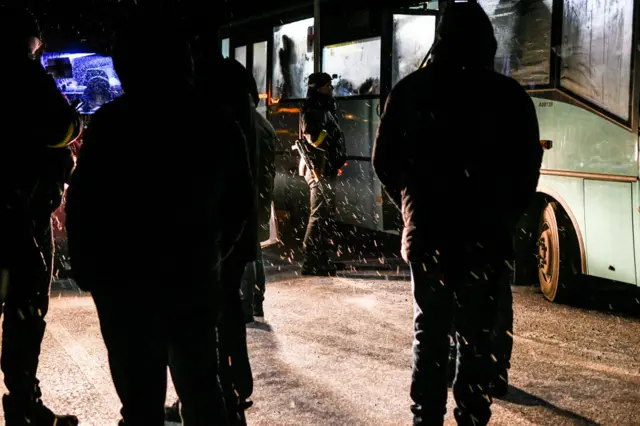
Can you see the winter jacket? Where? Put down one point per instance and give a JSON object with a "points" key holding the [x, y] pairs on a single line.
{"points": [[458, 150], [144, 201], [319, 114]]}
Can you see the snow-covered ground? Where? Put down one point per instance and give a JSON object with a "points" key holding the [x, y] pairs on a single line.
{"points": [[336, 351]]}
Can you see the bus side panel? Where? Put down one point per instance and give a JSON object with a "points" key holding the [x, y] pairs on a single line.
{"points": [[570, 191], [609, 225], [635, 213], [351, 189], [584, 142]]}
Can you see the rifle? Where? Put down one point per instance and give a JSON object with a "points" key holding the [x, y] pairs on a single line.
{"points": [[303, 149]]}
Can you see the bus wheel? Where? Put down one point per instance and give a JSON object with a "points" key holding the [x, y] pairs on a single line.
{"points": [[555, 254]]}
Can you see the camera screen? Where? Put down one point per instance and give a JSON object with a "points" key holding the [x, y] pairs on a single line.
{"points": [[91, 80]]}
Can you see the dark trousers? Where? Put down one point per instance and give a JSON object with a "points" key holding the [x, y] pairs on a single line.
{"points": [[502, 332], [143, 337], [321, 227], [235, 369], [24, 289], [458, 290], [253, 286]]}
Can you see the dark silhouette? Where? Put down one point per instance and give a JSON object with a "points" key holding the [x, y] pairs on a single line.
{"points": [[235, 369], [239, 214], [463, 173], [254, 280], [521, 397], [288, 63], [235, 373], [165, 156], [35, 163]]}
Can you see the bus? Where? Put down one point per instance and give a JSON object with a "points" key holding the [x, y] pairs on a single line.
{"points": [[576, 58]]}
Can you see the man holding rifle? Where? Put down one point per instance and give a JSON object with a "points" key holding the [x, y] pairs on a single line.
{"points": [[322, 153]]}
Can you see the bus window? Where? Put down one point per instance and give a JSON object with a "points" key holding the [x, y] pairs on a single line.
{"points": [[357, 65], [241, 55], [292, 60], [413, 36], [260, 74], [225, 47], [596, 54], [523, 32]]}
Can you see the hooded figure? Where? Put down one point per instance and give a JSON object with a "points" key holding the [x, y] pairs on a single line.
{"points": [[463, 174], [35, 163], [170, 235], [239, 213]]}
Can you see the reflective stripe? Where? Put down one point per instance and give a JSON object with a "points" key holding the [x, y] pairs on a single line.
{"points": [[68, 138], [320, 139]]}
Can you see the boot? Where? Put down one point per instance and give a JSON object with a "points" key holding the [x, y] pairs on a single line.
{"points": [[466, 419], [423, 418], [27, 412], [258, 311], [242, 407], [172, 413], [500, 385]]}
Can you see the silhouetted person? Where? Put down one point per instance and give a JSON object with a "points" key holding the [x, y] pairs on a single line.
{"points": [[254, 279], [153, 264], [463, 174], [235, 372], [234, 96], [35, 163], [321, 129]]}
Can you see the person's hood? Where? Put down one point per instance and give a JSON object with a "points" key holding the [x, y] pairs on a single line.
{"points": [[465, 36]]}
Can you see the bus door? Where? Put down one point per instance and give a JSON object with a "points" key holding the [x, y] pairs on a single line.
{"points": [[357, 90], [350, 45], [291, 61]]}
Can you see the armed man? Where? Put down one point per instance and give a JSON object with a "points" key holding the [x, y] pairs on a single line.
{"points": [[35, 163], [463, 175], [326, 153]]}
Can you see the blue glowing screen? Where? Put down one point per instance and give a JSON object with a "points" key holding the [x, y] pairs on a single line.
{"points": [[94, 80]]}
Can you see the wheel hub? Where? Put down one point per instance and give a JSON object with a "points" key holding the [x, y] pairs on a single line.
{"points": [[544, 261]]}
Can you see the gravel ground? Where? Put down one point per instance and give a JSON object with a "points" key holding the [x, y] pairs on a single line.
{"points": [[336, 351]]}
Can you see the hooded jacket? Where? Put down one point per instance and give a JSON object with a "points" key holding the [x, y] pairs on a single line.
{"points": [[458, 150]]}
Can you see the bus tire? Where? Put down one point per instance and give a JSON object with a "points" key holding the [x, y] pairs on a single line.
{"points": [[557, 243]]}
